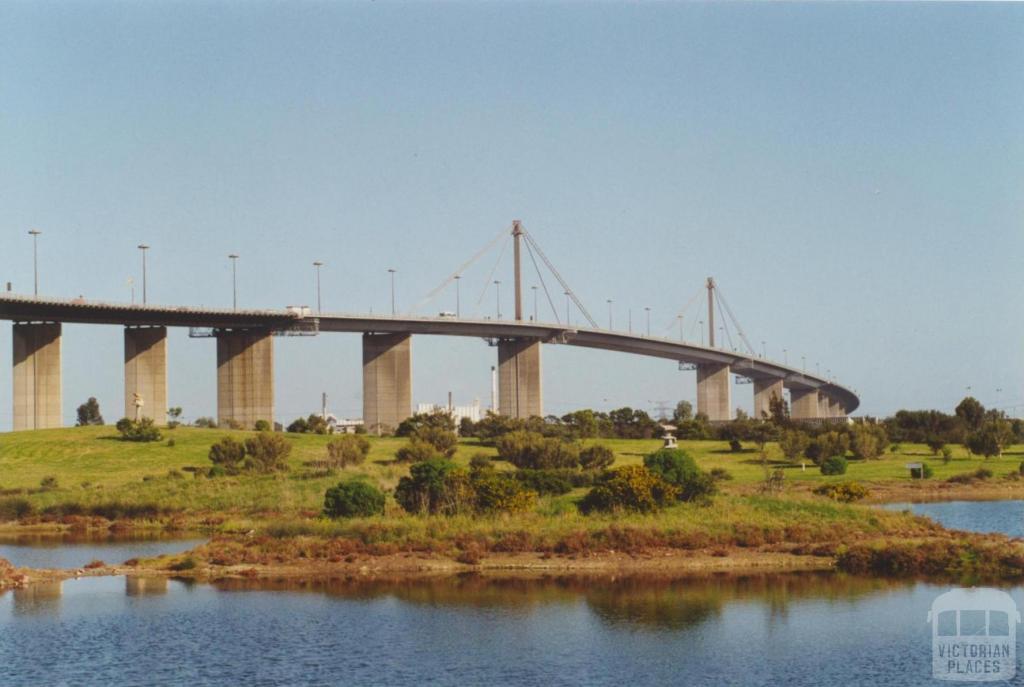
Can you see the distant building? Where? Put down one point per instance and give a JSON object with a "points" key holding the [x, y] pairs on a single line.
{"points": [[342, 426], [473, 412]]}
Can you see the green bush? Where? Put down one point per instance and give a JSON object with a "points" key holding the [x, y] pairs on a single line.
{"points": [[439, 419], [143, 430], [596, 457], [546, 482], [676, 467], [262, 426], [494, 492], [535, 451], [48, 483], [845, 492], [435, 486], [631, 488], [298, 426], [720, 474], [267, 452], [480, 461], [354, 498], [947, 454], [417, 452], [15, 508], [348, 449], [443, 440], [227, 454], [926, 471], [833, 465]]}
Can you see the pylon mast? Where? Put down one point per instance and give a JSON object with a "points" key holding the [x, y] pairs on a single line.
{"points": [[711, 312], [517, 234]]}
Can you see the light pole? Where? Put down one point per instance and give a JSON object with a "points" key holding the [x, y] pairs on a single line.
{"points": [[458, 304], [567, 308], [680, 327], [534, 303], [234, 281], [785, 356], [803, 363], [721, 337], [609, 314], [497, 295], [648, 320], [700, 326], [131, 285], [764, 350], [392, 271], [143, 247], [317, 265], [34, 233], [629, 320]]}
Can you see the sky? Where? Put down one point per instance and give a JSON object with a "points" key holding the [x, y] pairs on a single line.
{"points": [[850, 174]]}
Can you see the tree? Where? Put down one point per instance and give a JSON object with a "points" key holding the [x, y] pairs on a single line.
{"points": [[299, 426], [583, 423], [89, 413], [441, 438], [778, 411], [676, 467], [437, 486], [227, 454], [174, 417], [441, 419], [532, 450], [267, 452], [354, 498], [630, 488], [793, 443], [683, 412], [596, 457], [867, 441], [971, 413], [991, 439]]}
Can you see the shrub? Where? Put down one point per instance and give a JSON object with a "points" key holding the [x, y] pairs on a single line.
{"points": [[15, 508], [792, 443], [267, 452], [438, 419], [845, 492], [89, 413], [630, 488], [436, 486], [262, 426], [48, 483], [298, 426], [535, 451], [417, 452], [676, 467], [443, 440], [720, 474], [926, 471], [354, 498], [348, 449], [833, 465], [868, 441], [143, 430], [497, 493], [735, 446], [205, 422], [968, 477], [227, 454], [480, 461], [546, 482], [171, 443], [596, 457]]}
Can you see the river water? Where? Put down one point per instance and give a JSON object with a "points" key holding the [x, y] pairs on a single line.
{"points": [[789, 629]]}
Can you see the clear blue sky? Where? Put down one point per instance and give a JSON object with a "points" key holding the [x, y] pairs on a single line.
{"points": [[851, 174]]}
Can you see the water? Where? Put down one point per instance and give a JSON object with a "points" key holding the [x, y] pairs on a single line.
{"points": [[1006, 517], [796, 629], [74, 551]]}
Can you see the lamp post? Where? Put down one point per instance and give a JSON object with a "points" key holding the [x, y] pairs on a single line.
{"points": [[234, 281], [610, 314], [700, 326], [392, 271], [764, 350], [34, 233], [143, 247], [131, 286], [317, 265], [567, 308], [458, 304], [497, 295], [534, 303], [680, 327], [648, 320], [785, 356]]}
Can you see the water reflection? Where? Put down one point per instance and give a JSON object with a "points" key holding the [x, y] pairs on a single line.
{"points": [[75, 549], [145, 586], [41, 598]]}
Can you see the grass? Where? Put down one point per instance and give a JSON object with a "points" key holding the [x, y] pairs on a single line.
{"points": [[92, 467]]}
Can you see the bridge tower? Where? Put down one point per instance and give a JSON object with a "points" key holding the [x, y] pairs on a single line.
{"points": [[714, 382], [519, 360]]}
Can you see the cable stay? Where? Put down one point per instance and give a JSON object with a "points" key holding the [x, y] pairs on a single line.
{"points": [[462, 268], [572, 295], [739, 329], [682, 313], [540, 276], [490, 275]]}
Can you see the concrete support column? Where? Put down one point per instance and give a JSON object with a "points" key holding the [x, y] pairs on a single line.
{"points": [[763, 391], [145, 372], [245, 377], [519, 378], [803, 404], [714, 391], [837, 409], [387, 381], [37, 382], [824, 406]]}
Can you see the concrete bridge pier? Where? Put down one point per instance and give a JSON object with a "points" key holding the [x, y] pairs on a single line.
{"points": [[245, 377], [714, 391], [763, 391], [520, 393], [824, 406], [145, 372], [387, 381], [37, 380], [837, 409], [803, 404]]}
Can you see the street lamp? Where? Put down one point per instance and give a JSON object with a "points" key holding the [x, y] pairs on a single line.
{"points": [[680, 327], [567, 308], [785, 356], [458, 304], [803, 363], [35, 258], [609, 314], [764, 350], [534, 303], [317, 265], [143, 247], [648, 320], [392, 271], [700, 326], [497, 295], [234, 281]]}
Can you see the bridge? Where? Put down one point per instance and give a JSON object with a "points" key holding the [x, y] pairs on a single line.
{"points": [[245, 357]]}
